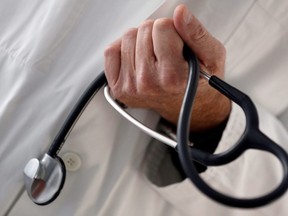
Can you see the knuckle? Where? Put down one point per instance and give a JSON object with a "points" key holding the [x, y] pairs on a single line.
{"points": [[199, 33], [119, 93], [146, 25], [111, 50], [163, 24], [130, 34], [124, 91]]}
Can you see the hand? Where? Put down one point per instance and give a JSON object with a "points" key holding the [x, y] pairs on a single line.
{"points": [[146, 68]]}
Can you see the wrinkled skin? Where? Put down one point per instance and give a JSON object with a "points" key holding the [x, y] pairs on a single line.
{"points": [[146, 68]]}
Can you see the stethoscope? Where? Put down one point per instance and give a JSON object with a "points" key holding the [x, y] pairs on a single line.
{"points": [[45, 177]]}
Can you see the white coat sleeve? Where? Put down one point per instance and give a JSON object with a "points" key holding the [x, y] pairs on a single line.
{"points": [[253, 174]]}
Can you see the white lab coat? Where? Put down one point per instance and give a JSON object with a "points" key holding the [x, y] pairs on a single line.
{"points": [[49, 53]]}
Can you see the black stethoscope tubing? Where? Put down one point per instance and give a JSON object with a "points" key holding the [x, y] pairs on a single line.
{"points": [[251, 139], [76, 112]]}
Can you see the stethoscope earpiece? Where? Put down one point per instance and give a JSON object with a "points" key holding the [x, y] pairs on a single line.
{"points": [[44, 178]]}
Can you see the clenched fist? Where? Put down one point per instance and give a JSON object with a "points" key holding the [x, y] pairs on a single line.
{"points": [[146, 68]]}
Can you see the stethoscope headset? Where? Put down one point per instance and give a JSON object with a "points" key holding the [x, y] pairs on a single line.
{"points": [[45, 177]]}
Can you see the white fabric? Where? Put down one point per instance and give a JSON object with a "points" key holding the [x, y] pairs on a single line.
{"points": [[49, 53]]}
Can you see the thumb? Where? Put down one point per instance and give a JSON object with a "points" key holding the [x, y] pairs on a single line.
{"points": [[209, 50]]}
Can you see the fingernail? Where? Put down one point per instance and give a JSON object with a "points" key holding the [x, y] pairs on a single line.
{"points": [[187, 15]]}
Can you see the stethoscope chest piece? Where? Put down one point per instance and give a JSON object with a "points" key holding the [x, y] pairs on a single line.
{"points": [[44, 178]]}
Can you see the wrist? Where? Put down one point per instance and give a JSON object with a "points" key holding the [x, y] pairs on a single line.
{"points": [[206, 141], [211, 108]]}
